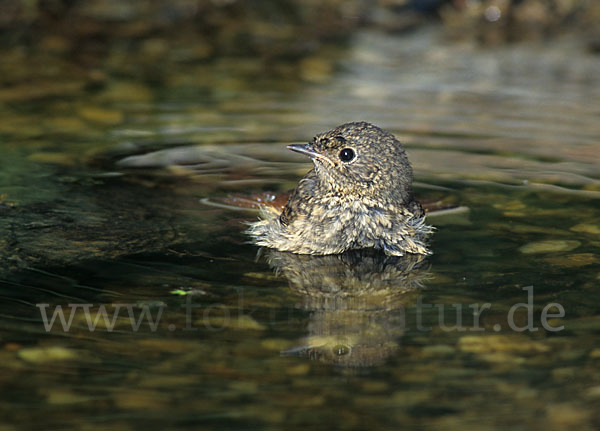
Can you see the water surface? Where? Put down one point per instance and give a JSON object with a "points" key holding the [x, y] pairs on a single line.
{"points": [[101, 210]]}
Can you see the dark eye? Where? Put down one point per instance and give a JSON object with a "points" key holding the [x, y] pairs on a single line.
{"points": [[347, 155]]}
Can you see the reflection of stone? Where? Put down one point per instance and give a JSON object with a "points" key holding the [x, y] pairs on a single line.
{"points": [[357, 301]]}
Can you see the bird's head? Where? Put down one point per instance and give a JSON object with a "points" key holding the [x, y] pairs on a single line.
{"points": [[361, 159]]}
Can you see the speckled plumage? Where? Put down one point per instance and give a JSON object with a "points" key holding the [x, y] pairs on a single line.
{"points": [[343, 205]]}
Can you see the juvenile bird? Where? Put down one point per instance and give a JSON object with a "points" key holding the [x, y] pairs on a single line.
{"points": [[358, 195]]}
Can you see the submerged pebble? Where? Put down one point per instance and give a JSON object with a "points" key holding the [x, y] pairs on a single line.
{"points": [[566, 416], [276, 344], [510, 206], [298, 370], [500, 343], [438, 350], [61, 397], [40, 355], [593, 392], [573, 260], [62, 159], [107, 117], [314, 69], [550, 246], [242, 322], [593, 229]]}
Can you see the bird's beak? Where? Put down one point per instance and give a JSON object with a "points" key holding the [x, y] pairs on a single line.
{"points": [[306, 149], [309, 150]]}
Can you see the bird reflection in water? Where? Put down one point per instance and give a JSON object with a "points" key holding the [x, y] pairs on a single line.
{"points": [[357, 302]]}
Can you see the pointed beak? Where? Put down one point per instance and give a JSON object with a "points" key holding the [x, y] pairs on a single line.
{"points": [[306, 149]]}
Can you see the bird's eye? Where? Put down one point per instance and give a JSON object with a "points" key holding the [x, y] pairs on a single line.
{"points": [[347, 155], [341, 350]]}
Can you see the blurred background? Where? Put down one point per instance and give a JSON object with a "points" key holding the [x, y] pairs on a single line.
{"points": [[57, 47], [79, 60]]}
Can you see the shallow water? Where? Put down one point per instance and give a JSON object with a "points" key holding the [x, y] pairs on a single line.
{"points": [[101, 205]]}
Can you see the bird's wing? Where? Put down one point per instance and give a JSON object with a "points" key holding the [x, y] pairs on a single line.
{"points": [[302, 194]]}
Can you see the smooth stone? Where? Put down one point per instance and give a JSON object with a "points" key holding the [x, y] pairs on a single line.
{"points": [[567, 416], [42, 89], [246, 387], [502, 358], [126, 92], [107, 117], [438, 350], [242, 322], [298, 370], [595, 354], [65, 397], [550, 246], [500, 343], [62, 159], [573, 260], [40, 355], [314, 69], [276, 344], [511, 205], [593, 392], [587, 228]]}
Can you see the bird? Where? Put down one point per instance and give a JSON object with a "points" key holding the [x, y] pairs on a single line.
{"points": [[357, 195]]}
